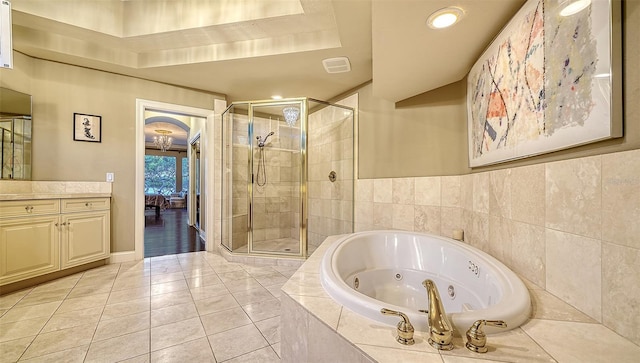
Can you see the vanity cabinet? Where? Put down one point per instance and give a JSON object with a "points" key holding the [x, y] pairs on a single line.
{"points": [[46, 235], [29, 247], [85, 231]]}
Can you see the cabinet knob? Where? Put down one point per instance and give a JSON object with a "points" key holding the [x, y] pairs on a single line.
{"points": [[87, 204], [29, 208]]}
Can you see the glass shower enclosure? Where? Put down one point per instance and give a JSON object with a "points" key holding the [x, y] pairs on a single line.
{"points": [[15, 147], [278, 198]]}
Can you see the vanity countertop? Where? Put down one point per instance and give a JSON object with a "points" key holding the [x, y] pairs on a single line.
{"points": [[31, 196], [30, 190]]}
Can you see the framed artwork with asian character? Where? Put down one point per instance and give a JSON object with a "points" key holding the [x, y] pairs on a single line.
{"points": [[87, 127]]}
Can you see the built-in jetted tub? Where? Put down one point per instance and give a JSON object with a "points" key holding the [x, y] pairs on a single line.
{"points": [[367, 271]]}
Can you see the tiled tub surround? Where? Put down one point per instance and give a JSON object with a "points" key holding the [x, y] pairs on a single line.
{"points": [[314, 328], [570, 227]]}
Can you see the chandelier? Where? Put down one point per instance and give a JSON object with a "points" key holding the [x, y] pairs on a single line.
{"points": [[163, 142], [291, 114]]}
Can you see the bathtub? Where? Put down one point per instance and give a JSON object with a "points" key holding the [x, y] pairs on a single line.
{"points": [[367, 271]]}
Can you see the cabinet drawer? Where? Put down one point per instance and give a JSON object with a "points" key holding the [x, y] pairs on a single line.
{"points": [[85, 204], [31, 207]]}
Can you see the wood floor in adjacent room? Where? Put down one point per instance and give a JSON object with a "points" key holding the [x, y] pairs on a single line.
{"points": [[169, 234]]}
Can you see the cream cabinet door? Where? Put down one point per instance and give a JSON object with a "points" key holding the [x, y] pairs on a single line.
{"points": [[85, 238], [29, 247]]}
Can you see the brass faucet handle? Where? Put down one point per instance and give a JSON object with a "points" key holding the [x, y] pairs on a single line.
{"points": [[405, 329], [477, 339]]}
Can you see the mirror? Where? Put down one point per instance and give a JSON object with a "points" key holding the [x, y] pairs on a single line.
{"points": [[15, 135]]}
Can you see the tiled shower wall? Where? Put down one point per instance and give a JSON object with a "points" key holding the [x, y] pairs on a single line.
{"points": [[571, 227], [330, 148], [276, 204]]}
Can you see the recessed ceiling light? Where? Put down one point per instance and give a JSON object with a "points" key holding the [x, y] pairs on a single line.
{"points": [[276, 97], [571, 7], [444, 18]]}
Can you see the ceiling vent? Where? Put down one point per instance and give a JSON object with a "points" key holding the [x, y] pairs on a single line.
{"points": [[336, 65]]}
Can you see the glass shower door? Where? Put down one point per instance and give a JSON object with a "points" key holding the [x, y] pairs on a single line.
{"points": [[330, 164], [276, 148], [235, 178]]}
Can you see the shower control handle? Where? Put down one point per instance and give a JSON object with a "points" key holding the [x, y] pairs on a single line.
{"points": [[405, 329]]}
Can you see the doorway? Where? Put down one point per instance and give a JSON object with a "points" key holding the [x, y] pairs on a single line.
{"points": [[168, 228], [197, 120]]}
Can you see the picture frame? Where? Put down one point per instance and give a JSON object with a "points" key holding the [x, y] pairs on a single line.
{"points": [[549, 81], [87, 127]]}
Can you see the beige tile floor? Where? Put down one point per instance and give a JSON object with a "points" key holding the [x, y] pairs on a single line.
{"points": [[193, 307]]}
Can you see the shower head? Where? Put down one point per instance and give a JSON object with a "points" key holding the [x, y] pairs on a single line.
{"points": [[262, 142], [269, 134]]}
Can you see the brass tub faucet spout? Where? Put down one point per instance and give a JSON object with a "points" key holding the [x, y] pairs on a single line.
{"points": [[440, 331]]}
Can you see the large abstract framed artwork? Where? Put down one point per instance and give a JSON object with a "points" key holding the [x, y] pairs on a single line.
{"points": [[547, 82]]}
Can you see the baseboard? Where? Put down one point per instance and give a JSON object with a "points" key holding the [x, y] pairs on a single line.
{"points": [[119, 257]]}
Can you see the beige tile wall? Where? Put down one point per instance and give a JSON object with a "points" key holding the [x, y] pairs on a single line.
{"points": [[275, 204], [571, 227]]}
